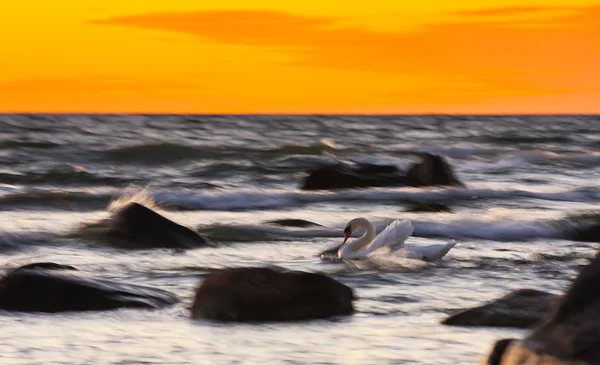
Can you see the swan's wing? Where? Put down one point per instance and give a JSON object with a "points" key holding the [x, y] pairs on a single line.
{"points": [[393, 235], [426, 252]]}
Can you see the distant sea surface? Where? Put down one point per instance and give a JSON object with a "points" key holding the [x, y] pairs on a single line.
{"points": [[227, 175]]}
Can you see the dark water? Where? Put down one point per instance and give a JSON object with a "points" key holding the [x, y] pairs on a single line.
{"points": [[227, 175]]}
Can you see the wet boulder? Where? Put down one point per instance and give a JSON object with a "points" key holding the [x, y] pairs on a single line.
{"points": [[428, 208], [588, 234], [45, 288], [432, 170], [568, 335], [346, 176], [258, 294], [45, 266], [521, 309], [299, 223], [136, 226], [585, 232]]}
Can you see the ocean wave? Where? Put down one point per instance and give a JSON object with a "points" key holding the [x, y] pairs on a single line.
{"points": [[519, 160], [66, 175], [15, 241], [155, 153], [158, 153], [296, 162], [239, 200], [56, 199], [323, 146], [493, 231], [29, 143], [457, 152], [518, 137], [245, 200], [499, 231], [591, 159]]}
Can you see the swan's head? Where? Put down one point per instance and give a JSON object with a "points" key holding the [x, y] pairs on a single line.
{"points": [[347, 233], [353, 226]]}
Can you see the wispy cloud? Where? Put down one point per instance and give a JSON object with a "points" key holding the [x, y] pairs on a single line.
{"points": [[448, 47], [495, 58], [517, 11]]}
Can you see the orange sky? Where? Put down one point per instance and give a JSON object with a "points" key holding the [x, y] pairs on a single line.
{"points": [[377, 56]]}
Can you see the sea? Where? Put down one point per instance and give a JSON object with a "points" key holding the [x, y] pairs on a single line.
{"points": [[228, 176]]}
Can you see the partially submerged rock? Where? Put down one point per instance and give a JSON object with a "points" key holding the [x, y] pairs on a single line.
{"points": [[345, 176], [431, 171], [45, 266], [264, 294], [428, 207], [583, 227], [135, 226], [521, 309], [33, 288], [293, 223], [586, 233], [568, 335]]}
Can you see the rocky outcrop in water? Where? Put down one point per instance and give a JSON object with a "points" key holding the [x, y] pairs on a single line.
{"points": [[45, 266], [584, 228], [568, 335], [135, 226], [430, 171], [428, 208], [345, 176], [44, 288], [521, 309], [331, 254], [264, 294], [587, 234], [300, 223]]}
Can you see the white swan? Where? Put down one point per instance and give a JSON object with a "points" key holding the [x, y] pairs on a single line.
{"points": [[393, 238]]}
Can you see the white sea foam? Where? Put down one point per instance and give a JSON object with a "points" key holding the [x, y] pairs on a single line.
{"points": [[244, 200], [501, 231]]}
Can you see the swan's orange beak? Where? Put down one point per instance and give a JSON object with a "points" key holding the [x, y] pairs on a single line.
{"points": [[347, 233], [346, 236]]}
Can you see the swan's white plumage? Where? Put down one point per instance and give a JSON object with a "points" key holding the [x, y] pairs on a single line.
{"points": [[425, 252], [394, 235], [390, 241]]}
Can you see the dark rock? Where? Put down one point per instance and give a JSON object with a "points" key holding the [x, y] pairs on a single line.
{"points": [[586, 233], [293, 223], [141, 225], [36, 290], [344, 176], [522, 309], [137, 227], [570, 333], [582, 226], [432, 170], [497, 352], [264, 294], [331, 254], [428, 207], [45, 266]]}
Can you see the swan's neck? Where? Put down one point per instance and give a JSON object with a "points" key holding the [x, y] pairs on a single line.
{"points": [[358, 248]]}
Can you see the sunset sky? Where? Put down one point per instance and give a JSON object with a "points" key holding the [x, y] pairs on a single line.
{"points": [[261, 56]]}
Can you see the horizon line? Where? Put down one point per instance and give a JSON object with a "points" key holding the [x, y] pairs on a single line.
{"points": [[303, 114]]}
